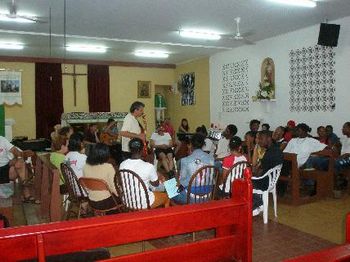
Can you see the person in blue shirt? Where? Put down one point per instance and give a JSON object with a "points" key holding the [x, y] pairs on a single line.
{"points": [[190, 164], [333, 139]]}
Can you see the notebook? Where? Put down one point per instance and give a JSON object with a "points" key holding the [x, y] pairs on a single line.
{"points": [[171, 187]]}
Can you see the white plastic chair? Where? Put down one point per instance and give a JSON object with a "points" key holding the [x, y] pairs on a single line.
{"points": [[273, 175]]}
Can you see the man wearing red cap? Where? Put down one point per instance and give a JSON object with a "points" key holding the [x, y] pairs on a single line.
{"points": [[288, 135]]}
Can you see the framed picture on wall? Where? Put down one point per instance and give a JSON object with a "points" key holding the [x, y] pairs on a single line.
{"points": [[143, 89], [10, 87]]}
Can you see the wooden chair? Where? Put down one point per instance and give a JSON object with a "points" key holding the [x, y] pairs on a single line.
{"points": [[95, 184], [235, 172], [345, 173], [134, 191], [202, 184], [77, 195], [273, 175], [47, 188], [324, 180], [30, 166]]}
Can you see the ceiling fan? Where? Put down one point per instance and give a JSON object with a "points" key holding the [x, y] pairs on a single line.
{"points": [[12, 16], [238, 36]]}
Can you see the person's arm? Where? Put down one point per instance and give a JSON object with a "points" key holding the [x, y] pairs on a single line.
{"points": [[128, 134], [110, 182], [337, 148], [154, 183], [255, 156], [154, 180], [170, 141], [289, 147], [152, 144], [18, 154], [127, 125], [181, 129], [283, 145], [346, 155]]}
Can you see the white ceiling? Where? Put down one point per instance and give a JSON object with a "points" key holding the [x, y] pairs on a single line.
{"points": [[126, 25]]}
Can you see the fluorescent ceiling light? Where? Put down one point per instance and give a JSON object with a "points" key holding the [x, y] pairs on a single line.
{"points": [[86, 48], [199, 34], [303, 3], [11, 45], [17, 18], [151, 53]]}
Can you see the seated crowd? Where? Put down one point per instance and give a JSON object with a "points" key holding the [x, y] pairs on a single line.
{"points": [[91, 155]]}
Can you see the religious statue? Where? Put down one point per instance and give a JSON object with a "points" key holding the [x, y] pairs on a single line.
{"points": [[266, 89]]}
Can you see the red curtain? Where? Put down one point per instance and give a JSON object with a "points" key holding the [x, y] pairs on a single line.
{"points": [[98, 88], [48, 98]]}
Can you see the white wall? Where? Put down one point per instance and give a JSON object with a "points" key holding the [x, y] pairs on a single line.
{"points": [[278, 113]]}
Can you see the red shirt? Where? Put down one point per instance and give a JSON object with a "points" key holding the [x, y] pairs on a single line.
{"points": [[230, 160], [288, 136], [169, 129]]}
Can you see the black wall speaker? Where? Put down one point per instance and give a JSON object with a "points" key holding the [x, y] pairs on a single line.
{"points": [[329, 34]]}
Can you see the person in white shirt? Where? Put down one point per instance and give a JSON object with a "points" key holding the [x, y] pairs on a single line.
{"points": [[223, 149], [12, 166], [147, 173], [74, 157], [343, 161], [131, 127], [162, 143], [236, 156], [209, 146], [304, 146]]}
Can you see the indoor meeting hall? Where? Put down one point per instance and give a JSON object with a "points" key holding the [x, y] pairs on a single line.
{"points": [[161, 130]]}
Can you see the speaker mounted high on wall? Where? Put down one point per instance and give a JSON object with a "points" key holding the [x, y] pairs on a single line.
{"points": [[329, 34]]}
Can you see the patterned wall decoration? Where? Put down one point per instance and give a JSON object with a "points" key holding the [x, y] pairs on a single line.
{"points": [[187, 89], [235, 91], [312, 79]]}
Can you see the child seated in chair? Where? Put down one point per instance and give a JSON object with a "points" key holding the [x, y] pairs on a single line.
{"points": [[236, 156]]}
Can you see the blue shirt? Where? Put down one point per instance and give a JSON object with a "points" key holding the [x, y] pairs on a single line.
{"points": [[189, 165]]}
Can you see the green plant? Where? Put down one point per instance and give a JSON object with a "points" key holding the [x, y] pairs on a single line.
{"points": [[266, 90]]}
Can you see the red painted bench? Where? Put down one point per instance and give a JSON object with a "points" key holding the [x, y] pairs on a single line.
{"points": [[338, 253], [232, 219]]}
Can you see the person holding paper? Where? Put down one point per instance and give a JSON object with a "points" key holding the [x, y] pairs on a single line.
{"points": [[190, 164]]}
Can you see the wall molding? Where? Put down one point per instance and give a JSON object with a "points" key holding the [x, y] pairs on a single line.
{"points": [[84, 62]]}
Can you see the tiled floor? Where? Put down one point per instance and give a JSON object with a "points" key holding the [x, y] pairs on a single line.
{"points": [[275, 242], [324, 218]]}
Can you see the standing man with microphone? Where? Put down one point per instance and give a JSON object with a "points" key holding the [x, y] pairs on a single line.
{"points": [[131, 127]]}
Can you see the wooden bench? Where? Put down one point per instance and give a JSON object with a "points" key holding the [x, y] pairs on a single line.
{"points": [[47, 188], [232, 219], [338, 253], [324, 181]]}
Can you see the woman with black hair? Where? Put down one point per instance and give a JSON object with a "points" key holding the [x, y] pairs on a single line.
{"points": [[209, 146], [184, 127], [97, 167], [74, 157], [236, 156], [304, 146]]}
